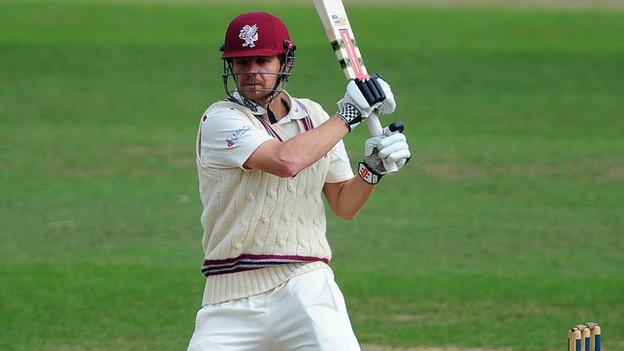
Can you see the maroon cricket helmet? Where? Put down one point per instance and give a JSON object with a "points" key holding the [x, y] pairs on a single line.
{"points": [[256, 34]]}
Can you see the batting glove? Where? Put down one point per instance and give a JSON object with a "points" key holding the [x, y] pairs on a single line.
{"points": [[362, 98], [389, 104], [392, 147]]}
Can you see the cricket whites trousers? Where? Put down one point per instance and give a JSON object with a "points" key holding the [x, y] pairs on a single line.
{"points": [[306, 313]]}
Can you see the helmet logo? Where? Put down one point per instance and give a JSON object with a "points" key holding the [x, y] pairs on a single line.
{"points": [[249, 34]]}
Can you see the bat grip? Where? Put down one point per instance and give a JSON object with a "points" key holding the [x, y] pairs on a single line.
{"points": [[376, 130]]}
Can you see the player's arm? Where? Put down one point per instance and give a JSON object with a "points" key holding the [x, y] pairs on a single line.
{"points": [[287, 159], [348, 197], [230, 140]]}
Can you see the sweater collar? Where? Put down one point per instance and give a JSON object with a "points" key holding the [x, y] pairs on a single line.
{"points": [[295, 109]]}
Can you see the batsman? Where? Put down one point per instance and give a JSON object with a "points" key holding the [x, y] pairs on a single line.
{"points": [[264, 159]]}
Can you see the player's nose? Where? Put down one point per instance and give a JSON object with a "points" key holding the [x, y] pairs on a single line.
{"points": [[252, 68]]}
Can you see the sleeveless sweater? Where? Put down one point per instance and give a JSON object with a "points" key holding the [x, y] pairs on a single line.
{"points": [[259, 229]]}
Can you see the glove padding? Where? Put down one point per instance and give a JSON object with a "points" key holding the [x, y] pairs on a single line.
{"points": [[388, 105], [392, 148], [363, 97]]}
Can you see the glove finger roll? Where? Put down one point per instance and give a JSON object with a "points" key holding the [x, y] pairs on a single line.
{"points": [[377, 91], [356, 94], [369, 95], [389, 104], [399, 155], [384, 152], [392, 139]]}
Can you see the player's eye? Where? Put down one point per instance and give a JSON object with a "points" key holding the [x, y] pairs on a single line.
{"points": [[241, 62]]}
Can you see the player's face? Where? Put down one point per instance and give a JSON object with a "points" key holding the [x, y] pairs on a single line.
{"points": [[256, 76]]}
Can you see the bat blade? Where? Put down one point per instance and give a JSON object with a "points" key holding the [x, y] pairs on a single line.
{"points": [[340, 34]]}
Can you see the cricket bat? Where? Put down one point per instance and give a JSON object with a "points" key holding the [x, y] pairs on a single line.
{"points": [[342, 40]]}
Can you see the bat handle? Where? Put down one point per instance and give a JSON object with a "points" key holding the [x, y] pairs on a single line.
{"points": [[376, 130]]}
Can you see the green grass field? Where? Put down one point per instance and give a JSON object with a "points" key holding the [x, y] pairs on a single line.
{"points": [[506, 228]]}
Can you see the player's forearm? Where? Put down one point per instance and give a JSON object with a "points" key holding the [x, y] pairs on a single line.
{"points": [[305, 149], [352, 196]]}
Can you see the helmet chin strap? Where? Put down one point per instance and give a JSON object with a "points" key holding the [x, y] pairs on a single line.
{"points": [[270, 113], [256, 106]]}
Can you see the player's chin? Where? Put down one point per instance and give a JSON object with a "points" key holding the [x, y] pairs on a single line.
{"points": [[255, 93]]}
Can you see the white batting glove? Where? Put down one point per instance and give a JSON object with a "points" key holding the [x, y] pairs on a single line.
{"points": [[392, 147], [362, 98], [387, 106]]}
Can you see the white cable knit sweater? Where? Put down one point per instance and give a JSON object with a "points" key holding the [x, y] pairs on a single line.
{"points": [[259, 229]]}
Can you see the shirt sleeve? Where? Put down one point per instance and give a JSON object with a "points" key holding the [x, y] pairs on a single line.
{"points": [[228, 138], [339, 167]]}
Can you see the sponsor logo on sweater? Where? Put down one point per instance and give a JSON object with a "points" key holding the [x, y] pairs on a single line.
{"points": [[233, 138]]}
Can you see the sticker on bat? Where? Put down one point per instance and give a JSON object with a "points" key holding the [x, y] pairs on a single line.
{"points": [[339, 21]]}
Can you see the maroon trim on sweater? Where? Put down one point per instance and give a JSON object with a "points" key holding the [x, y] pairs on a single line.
{"points": [[247, 262], [269, 129], [307, 121]]}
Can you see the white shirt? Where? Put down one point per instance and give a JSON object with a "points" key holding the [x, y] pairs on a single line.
{"points": [[228, 138]]}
